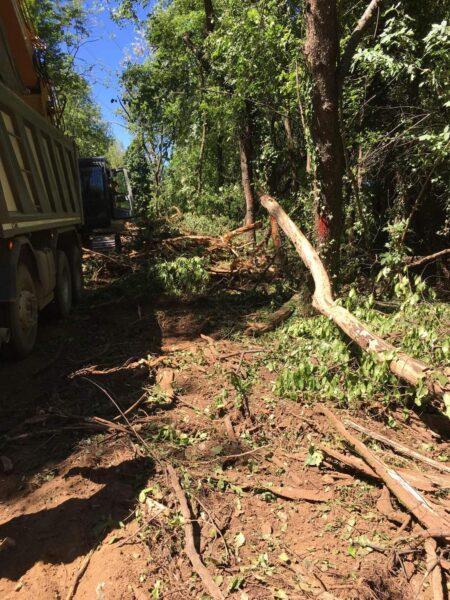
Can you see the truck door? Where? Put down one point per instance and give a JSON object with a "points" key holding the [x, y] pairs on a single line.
{"points": [[122, 195]]}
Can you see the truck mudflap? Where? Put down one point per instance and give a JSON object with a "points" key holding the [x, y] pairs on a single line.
{"points": [[9, 257], [4, 336]]}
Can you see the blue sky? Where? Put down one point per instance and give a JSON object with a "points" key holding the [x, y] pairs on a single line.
{"points": [[101, 61]]}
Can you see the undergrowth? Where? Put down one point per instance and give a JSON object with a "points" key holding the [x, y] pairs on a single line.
{"points": [[316, 362]]}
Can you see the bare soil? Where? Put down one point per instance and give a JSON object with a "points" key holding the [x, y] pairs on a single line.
{"points": [[75, 492]]}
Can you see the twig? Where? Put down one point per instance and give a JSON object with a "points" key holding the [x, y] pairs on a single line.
{"points": [[80, 573], [108, 258], [189, 544], [214, 523], [133, 407], [227, 457], [242, 352], [108, 395]]}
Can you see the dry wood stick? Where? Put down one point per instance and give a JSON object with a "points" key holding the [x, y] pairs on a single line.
{"points": [[106, 257], [422, 481], [409, 497], [403, 366], [401, 448], [433, 569], [275, 319], [81, 571], [240, 230], [286, 491], [189, 545]]}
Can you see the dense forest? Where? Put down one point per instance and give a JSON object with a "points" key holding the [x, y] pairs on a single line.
{"points": [[338, 109], [251, 399]]}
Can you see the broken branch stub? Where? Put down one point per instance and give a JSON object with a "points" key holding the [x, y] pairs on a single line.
{"points": [[405, 367]]}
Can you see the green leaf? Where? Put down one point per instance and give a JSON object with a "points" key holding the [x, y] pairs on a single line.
{"points": [[314, 457], [253, 15], [236, 583], [281, 594]]}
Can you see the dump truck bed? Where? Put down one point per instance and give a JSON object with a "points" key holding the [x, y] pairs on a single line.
{"points": [[39, 179]]}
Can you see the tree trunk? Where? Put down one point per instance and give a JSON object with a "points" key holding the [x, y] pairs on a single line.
{"points": [[322, 52], [209, 16], [292, 152], [201, 158], [246, 152], [220, 161]]}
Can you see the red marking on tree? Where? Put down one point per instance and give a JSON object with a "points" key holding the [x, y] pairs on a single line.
{"points": [[322, 228]]}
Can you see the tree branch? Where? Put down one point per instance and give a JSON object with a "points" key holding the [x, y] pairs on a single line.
{"points": [[418, 261], [355, 38]]}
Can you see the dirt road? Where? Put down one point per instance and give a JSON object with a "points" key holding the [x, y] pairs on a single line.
{"points": [[74, 506]]}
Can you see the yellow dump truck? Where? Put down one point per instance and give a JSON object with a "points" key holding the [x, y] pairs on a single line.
{"points": [[41, 211]]}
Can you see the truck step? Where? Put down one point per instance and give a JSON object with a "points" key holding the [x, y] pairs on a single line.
{"points": [[103, 243]]}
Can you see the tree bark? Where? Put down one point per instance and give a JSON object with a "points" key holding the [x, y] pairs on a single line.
{"points": [[220, 166], [209, 16], [292, 152], [322, 52], [201, 158], [411, 370], [246, 152]]}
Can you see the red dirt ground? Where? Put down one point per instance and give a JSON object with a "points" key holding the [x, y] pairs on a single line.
{"points": [[76, 491]]}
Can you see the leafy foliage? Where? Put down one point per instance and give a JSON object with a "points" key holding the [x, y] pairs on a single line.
{"points": [[62, 27], [182, 276]]}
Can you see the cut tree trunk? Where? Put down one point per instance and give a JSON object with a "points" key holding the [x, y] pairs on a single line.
{"points": [[409, 369]]}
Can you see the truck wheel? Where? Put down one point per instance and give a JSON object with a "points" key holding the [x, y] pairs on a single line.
{"points": [[77, 275], [63, 291], [22, 315]]}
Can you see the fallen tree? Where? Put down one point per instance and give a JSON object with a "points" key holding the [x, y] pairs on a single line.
{"points": [[405, 367]]}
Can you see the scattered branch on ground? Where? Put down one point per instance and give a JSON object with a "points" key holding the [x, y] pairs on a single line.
{"points": [[191, 551]]}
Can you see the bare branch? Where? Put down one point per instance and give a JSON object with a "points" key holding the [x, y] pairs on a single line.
{"points": [[355, 38]]}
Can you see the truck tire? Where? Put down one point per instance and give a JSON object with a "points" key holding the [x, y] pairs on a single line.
{"points": [[63, 290], [22, 315], [77, 275]]}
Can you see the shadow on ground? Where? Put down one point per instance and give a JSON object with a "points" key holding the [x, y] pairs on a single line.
{"points": [[72, 528]]}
